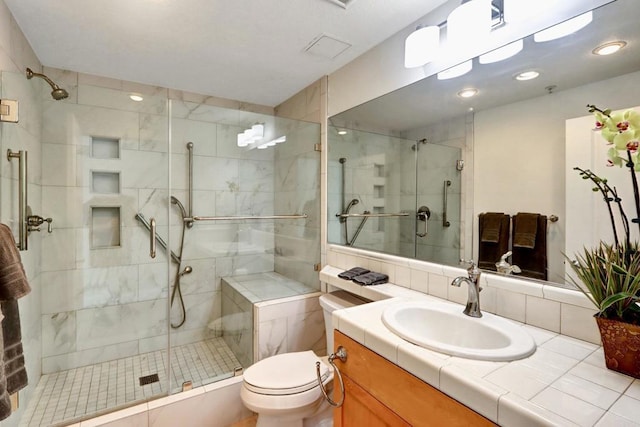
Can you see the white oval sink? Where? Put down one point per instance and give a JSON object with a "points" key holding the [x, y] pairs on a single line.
{"points": [[444, 328]]}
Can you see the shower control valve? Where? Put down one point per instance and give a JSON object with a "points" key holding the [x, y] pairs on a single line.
{"points": [[35, 221]]}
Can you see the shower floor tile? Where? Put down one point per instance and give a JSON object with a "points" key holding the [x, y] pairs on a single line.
{"points": [[68, 395]]}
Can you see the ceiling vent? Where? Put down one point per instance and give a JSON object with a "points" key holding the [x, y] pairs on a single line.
{"points": [[342, 3], [326, 46]]}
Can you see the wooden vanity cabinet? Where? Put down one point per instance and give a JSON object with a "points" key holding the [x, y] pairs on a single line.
{"points": [[379, 393]]}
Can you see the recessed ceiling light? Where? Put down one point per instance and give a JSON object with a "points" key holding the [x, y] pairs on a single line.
{"points": [[468, 92], [609, 48], [342, 132], [526, 75], [136, 97]]}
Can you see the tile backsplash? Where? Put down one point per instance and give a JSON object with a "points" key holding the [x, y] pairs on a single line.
{"points": [[549, 307]]}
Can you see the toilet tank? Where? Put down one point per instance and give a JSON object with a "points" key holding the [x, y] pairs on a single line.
{"points": [[335, 301]]}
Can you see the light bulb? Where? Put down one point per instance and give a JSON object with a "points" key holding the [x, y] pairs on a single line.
{"points": [[421, 46]]}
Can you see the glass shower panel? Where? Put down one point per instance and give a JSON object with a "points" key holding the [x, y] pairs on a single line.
{"points": [[229, 266], [372, 175], [104, 299], [438, 187]]}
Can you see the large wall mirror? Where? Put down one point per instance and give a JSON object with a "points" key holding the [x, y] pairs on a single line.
{"points": [[411, 172]]}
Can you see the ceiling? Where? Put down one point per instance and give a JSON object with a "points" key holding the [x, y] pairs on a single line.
{"points": [[564, 63], [248, 50]]}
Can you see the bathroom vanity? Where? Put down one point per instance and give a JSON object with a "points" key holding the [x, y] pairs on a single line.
{"points": [[380, 393], [390, 381]]}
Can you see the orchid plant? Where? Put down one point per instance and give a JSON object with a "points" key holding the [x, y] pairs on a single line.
{"points": [[611, 273]]}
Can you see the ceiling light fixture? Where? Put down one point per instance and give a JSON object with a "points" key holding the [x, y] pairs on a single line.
{"points": [[609, 48], [468, 92], [469, 24], [519, 10], [564, 28], [456, 71], [421, 46], [527, 75], [136, 97], [342, 132], [502, 53]]}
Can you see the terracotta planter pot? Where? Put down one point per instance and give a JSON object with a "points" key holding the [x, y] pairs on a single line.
{"points": [[621, 343]]}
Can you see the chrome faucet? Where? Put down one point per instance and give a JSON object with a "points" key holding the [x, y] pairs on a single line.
{"points": [[503, 266], [473, 302]]}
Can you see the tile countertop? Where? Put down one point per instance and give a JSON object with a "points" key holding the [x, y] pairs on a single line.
{"points": [[564, 383]]}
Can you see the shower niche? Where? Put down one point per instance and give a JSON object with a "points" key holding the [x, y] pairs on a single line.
{"points": [[105, 227]]}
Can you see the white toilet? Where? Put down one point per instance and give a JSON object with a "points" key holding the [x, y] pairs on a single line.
{"points": [[283, 389]]}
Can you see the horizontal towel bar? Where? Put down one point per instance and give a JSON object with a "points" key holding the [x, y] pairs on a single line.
{"points": [[237, 218], [372, 215], [550, 218]]}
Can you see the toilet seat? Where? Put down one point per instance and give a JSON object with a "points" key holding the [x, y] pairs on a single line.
{"points": [[285, 374]]}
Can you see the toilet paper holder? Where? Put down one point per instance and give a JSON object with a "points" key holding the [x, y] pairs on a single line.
{"points": [[341, 354]]}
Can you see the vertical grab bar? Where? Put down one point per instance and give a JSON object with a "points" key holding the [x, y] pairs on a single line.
{"points": [[22, 196], [190, 202], [445, 223], [152, 238]]}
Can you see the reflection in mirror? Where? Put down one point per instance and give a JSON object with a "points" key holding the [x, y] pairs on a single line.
{"points": [[503, 149]]}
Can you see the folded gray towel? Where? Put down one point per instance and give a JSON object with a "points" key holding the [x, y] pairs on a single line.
{"points": [[13, 280], [14, 369], [353, 272], [371, 278]]}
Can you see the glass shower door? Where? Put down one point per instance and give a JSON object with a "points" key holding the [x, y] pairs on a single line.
{"points": [[99, 169], [438, 203]]}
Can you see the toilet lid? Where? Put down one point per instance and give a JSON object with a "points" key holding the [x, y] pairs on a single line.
{"points": [[287, 373]]}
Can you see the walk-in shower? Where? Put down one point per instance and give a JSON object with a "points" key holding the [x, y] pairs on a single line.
{"points": [[399, 195], [99, 329]]}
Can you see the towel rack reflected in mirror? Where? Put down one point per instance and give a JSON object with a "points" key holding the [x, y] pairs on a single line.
{"points": [[238, 218]]}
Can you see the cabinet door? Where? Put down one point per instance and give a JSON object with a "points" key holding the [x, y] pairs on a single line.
{"points": [[410, 398], [362, 409]]}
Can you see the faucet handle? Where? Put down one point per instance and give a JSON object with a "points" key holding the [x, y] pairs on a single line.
{"points": [[470, 264], [472, 268]]}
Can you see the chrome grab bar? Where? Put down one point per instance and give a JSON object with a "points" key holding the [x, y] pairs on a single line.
{"points": [[22, 196], [159, 239], [445, 223], [152, 238], [190, 201], [372, 215], [231, 218], [341, 354], [359, 229]]}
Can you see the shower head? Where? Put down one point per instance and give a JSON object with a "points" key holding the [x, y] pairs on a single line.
{"points": [[57, 93], [175, 201], [342, 160]]}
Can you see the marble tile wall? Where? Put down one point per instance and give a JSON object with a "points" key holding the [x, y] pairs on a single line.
{"points": [[92, 291], [15, 55], [24, 135], [380, 172], [298, 188], [266, 314], [237, 323], [289, 325]]}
